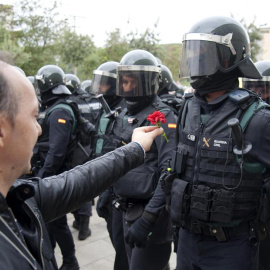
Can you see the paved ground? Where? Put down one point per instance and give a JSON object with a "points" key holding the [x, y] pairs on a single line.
{"points": [[96, 252]]}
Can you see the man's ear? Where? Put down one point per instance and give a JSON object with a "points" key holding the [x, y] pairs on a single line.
{"points": [[3, 130]]}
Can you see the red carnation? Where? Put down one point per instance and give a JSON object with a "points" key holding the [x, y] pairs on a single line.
{"points": [[157, 118]]}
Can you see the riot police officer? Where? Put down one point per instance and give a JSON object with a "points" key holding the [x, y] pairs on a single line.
{"points": [[168, 90], [53, 151], [94, 103], [261, 86], [221, 161], [86, 85], [104, 83], [81, 153], [138, 83]]}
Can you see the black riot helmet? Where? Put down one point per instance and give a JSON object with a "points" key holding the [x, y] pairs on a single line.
{"points": [[261, 86], [138, 74], [104, 79], [73, 83], [215, 46], [86, 86], [166, 81], [32, 80], [51, 78]]}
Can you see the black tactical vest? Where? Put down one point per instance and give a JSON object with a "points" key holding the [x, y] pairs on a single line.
{"points": [[42, 146], [211, 186], [104, 140], [140, 183]]}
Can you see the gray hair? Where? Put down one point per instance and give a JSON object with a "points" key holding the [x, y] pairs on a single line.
{"points": [[8, 98]]}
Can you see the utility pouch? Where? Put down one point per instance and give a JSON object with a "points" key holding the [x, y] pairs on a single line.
{"points": [[223, 202], [179, 201], [179, 161], [200, 202], [166, 181], [265, 202]]}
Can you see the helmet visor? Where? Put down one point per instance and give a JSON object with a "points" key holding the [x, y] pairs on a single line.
{"points": [[102, 82], [204, 54], [134, 81], [261, 87]]}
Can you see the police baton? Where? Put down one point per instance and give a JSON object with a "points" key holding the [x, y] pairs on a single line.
{"points": [[242, 147], [105, 106]]}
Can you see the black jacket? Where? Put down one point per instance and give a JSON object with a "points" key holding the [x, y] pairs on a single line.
{"points": [[24, 242]]}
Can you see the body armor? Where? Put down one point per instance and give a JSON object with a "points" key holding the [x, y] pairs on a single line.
{"points": [[211, 186], [142, 181]]}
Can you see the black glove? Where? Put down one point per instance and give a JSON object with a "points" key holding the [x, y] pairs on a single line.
{"points": [[138, 232], [103, 204]]}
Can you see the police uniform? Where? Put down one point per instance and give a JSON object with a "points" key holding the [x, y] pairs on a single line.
{"points": [[135, 189], [215, 198], [53, 148]]}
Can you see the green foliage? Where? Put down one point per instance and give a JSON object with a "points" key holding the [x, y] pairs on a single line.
{"points": [[168, 55], [32, 35], [255, 37], [116, 46], [73, 48], [39, 24], [146, 41]]}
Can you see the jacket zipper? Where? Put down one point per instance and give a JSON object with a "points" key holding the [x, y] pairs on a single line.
{"points": [[197, 157], [36, 215]]}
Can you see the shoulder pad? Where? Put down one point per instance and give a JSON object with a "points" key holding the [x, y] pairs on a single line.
{"points": [[239, 96]]}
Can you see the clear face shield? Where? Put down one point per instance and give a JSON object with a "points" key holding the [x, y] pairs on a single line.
{"points": [[135, 81], [103, 82], [201, 55], [261, 87]]}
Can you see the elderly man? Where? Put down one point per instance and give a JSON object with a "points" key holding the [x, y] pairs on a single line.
{"points": [[26, 205]]}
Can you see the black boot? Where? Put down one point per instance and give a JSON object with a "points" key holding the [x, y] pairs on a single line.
{"points": [[70, 263], [76, 222], [84, 230]]}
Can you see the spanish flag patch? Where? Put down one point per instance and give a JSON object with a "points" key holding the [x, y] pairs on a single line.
{"points": [[62, 121], [171, 125]]}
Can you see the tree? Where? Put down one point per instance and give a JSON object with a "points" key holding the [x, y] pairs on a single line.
{"points": [[255, 37], [146, 41], [168, 54], [74, 48], [37, 24], [11, 52], [115, 47]]}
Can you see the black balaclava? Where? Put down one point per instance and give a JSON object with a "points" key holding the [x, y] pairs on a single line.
{"points": [[136, 104], [217, 82]]}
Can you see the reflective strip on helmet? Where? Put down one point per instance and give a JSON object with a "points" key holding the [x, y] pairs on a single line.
{"points": [[224, 40], [139, 68], [104, 73]]}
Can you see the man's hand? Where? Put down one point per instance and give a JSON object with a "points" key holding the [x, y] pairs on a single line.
{"points": [[146, 135]]}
